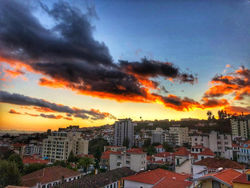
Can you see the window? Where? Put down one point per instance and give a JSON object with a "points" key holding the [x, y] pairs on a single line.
{"points": [[248, 177], [215, 184]]}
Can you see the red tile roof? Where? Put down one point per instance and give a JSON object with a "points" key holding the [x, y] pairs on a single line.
{"points": [[182, 151], [135, 151], [156, 176], [47, 175], [195, 155], [163, 154], [214, 163], [247, 142], [235, 145], [225, 176], [170, 183], [17, 145], [207, 151], [32, 160], [106, 154], [241, 179]]}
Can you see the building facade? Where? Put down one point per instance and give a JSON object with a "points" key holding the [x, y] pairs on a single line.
{"points": [[124, 132], [33, 149], [59, 145], [244, 153], [157, 136], [240, 127], [177, 135], [220, 144], [135, 159]]}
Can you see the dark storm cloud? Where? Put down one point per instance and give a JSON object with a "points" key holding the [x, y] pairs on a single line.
{"points": [[68, 55], [84, 76], [151, 68], [51, 116], [24, 37], [17, 99]]}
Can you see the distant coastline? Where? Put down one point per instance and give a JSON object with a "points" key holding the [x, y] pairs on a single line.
{"points": [[17, 132]]}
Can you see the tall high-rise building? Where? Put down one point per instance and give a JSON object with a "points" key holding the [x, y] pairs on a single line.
{"points": [[124, 132], [240, 127], [177, 135], [59, 145]]}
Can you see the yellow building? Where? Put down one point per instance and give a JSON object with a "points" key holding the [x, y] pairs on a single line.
{"points": [[221, 179], [242, 181]]}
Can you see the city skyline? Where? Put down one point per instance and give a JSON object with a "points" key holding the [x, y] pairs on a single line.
{"points": [[90, 63]]}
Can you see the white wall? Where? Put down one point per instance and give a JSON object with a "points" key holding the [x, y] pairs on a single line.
{"points": [[184, 168], [132, 184], [197, 169]]}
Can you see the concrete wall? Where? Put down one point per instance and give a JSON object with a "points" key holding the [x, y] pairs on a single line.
{"points": [[197, 169], [184, 168], [138, 162], [132, 184]]}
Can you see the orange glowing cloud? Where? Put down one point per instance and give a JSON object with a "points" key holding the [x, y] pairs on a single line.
{"points": [[33, 115], [68, 118], [212, 103], [52, 83], [236, 83], [14, 73], [237, 110], [12, 111], [42, 109]]}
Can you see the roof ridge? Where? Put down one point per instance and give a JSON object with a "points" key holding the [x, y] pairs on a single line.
{"points": [[160, 180]]}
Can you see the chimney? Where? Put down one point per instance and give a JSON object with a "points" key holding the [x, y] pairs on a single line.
{"points": [[62, 180]]}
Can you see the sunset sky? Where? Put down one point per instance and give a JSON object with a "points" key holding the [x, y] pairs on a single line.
{"points": [[89, 63]]}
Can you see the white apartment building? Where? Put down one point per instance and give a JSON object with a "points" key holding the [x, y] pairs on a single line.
{"points": [[220, 144], [59, 145], [124, 130], [240, 127], [244, 153], [157, 136], [177, 135], [134, 158], [33, 149]]}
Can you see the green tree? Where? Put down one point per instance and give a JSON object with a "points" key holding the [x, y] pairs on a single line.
{"points": [[16, 159], [209, 114], [168, 147], [97, 144], [151, 150], [60, 163], [147, 143], [85, 162], [9, 173], [98, 154], [71, 157]]}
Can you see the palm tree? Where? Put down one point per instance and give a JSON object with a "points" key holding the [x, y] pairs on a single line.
{"points": [[85, 162], [209, 114]]}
